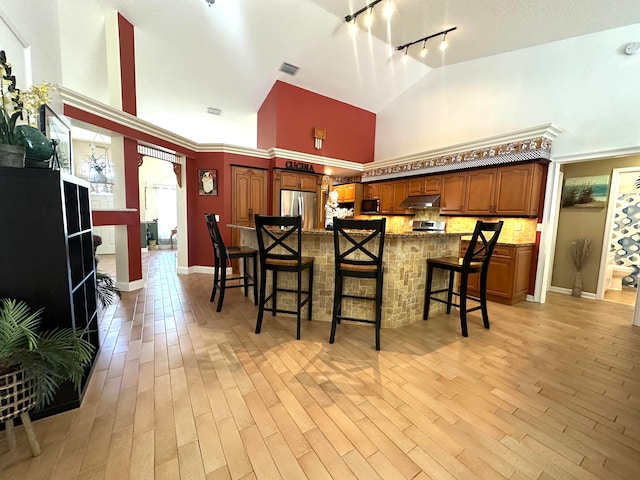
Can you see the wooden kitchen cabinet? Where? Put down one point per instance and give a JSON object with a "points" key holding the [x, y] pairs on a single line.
{"points": [[508, 275], [386, 197], [400, 192], [296, 181], [429, 185], [371, 191], [249, 190], [513, 190], [346, 192], [453, 187]]}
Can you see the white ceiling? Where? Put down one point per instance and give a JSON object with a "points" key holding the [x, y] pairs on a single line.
{"points": [[191, 56]]}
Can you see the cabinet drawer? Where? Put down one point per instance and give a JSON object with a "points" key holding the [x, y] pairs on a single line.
{"points": [[504, 251]]}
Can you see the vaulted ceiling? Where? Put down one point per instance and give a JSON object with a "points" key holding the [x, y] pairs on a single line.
{"points": [[191, 56]]}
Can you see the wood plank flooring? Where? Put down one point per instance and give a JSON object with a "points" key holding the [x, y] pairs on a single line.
{"points": [[182, 392]]}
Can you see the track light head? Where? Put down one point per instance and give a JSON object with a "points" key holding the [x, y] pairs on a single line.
{"points": [[444, 44], [423, 52]]}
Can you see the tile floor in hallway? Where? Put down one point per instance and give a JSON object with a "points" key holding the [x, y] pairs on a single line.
{"points": [[182, 392]]}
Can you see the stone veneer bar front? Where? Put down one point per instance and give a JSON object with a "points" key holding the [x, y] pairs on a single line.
{"points": [[405, 268]]}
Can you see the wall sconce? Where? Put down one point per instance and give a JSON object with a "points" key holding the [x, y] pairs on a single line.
{"points": [[423, 52], [319, 134], [351, 18]]}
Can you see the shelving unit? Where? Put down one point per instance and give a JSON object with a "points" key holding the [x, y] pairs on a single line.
{"points": [[47, 258]]}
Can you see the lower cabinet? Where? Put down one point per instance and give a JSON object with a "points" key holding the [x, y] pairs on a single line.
{"points": [[508, 275]]}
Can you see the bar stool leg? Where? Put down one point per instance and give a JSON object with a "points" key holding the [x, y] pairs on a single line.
{"points": [[263, 282], [450, 291], [245, 278], [337, 299], [274, 292], [427, 292], [378, 309], [31, 435], [298, 302], [463, 304], [310, 303], [255, 280], [483, 298], [216, 266], [223, 283]]}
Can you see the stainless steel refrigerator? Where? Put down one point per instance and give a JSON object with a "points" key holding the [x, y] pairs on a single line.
{"points": [[293, 203]]}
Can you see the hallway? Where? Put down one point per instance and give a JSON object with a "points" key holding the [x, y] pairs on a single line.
{"points": [[180, 391]]}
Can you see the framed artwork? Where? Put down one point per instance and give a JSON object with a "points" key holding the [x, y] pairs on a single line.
{"points": [[207, 182], [585, 192], [55, 129]]}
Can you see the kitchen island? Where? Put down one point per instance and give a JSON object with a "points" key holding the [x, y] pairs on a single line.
{"points": [[405, 275]]}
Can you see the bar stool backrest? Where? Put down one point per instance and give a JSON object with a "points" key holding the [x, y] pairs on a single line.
{"points": [[216, 238], [484, 239], [279, 239], [358, 253]]}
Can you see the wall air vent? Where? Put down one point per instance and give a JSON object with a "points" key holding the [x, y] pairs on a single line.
{"points": [[288, 68], [214, 111]]}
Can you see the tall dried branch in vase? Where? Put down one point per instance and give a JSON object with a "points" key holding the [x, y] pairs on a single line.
{"points": [[579, 250]]}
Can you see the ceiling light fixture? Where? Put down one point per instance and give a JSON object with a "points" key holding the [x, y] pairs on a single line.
{"points": [[388, 9], [424, 51], [210, 2], [406, 54], [351, 19], [443, 45]]}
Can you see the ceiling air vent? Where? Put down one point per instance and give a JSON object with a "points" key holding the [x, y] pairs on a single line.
{"points": [[288, 68], [214, 111]]}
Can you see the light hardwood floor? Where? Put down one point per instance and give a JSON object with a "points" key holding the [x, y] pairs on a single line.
{"points": [[182, 392]]}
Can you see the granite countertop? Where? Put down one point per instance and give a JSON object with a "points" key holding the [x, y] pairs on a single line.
{"points": [[505, 244], [410, 234]]}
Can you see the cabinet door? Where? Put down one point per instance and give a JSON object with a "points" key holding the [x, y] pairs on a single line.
{"points": [[513, 190], [431, 185], [349, 192], [416, 186], [371, 191], [453, 192], [289, 180], [258, 194], [479, 198], [307, 182], [241, 198], [400, 190], [500, 276], [386, 197]]}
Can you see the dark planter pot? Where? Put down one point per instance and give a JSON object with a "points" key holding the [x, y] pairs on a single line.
{"points": [[11, 155], [37, 145]]}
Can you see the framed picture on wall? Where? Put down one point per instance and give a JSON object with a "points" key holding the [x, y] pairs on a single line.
{"points": [[585, 192], [207, 182], [56, 129]]}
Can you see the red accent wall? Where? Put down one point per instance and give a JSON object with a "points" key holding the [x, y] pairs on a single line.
{"points": [[132, 200], [127, 65], [200, 250], [288, 115]]}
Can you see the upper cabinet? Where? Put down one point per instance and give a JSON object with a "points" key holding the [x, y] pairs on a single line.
{"points": [[452, 192], [298, 181], [513, 190], [346, 192], [429, 185]]}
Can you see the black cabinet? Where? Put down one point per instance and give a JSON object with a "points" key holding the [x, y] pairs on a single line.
{"points": [[46, 256]]}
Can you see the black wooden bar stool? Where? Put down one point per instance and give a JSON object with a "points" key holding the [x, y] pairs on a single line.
{"points": [[280, 249], [358, 248], [221, 255], [476, 259]]}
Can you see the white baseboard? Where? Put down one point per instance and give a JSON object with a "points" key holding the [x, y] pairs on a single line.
{"points": [[529, 298], [130, 286], [567, 291], [199, 269]]}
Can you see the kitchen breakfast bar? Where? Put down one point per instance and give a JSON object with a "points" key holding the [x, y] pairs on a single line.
{"points": [[404, 257]]}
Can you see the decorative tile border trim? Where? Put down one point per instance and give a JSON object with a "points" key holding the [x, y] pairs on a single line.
{"points": [[511, 152]]}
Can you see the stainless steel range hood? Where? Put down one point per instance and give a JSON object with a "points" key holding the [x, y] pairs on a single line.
{"points": [[421, 201]]}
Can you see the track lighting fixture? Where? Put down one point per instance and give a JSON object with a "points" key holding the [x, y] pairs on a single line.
{"points": [[423, 52], [210, 2], [351, 19]]}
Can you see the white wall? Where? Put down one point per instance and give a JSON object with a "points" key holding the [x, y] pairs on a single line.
{"points": [[585, 85]]}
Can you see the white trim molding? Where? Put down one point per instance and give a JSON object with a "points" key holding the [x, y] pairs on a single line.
{"points": [[599, 155], [130, 286]]}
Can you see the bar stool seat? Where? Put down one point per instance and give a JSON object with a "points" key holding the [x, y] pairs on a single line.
{"points": [[280, 250], [221, 255], [475, 260], [358, 256]]}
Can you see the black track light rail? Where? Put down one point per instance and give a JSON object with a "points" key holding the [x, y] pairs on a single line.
{"points": [[444, 32], [348, 18]]}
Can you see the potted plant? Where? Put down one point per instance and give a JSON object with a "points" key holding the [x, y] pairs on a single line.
{"points": [[42, 359], [20, 141], [106, 290], [579, 250]]}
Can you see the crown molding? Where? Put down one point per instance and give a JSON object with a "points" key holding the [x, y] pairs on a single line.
{"points": [[548, 131], [307, 157]]}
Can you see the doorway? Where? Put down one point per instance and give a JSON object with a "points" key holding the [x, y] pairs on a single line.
{"points": [[158, 202], [620, 261]]}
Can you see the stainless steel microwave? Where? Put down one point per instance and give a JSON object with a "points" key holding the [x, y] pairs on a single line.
{"points": [[370, 206]]}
